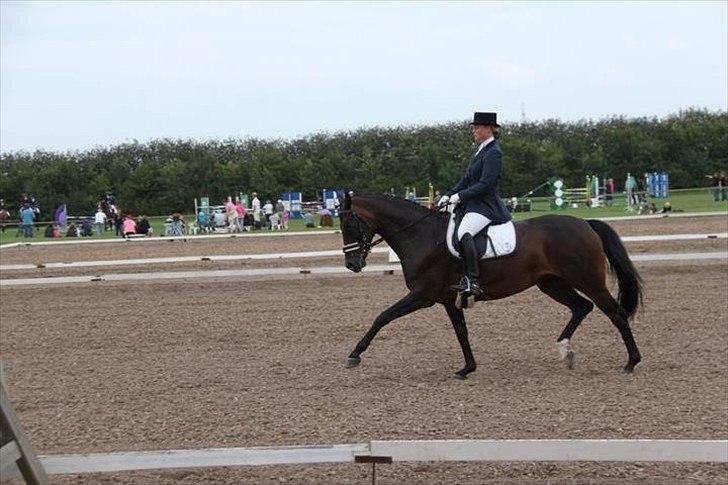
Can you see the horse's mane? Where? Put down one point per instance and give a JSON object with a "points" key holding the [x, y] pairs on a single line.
{"points": [[393, 198]]}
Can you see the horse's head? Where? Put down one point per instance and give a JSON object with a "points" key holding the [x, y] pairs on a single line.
{"points": [[357, 235]]}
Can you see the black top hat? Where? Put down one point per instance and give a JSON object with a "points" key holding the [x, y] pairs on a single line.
{"points": [[485, 119]]}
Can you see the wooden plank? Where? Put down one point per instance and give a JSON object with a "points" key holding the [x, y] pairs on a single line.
{"points": [[213, 457], [28, 463], [555, 450]]}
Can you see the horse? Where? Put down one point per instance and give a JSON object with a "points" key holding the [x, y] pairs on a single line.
{"points": [[559, 254]]}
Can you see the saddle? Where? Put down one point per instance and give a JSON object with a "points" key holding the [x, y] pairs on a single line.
{"points": [[494, 241]]}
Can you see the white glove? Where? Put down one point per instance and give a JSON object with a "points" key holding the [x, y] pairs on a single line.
{"points": [[455, 199], [443, 201]]}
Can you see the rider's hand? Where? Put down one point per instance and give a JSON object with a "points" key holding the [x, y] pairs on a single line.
{"points": [[455, 199], [442, 202]]}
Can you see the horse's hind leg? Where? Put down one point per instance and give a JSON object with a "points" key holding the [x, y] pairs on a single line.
{"points": [[580, 307], [618, 316], [457, 317]]}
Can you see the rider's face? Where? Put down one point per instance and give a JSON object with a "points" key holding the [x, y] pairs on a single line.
{"points": [[481, 133]]}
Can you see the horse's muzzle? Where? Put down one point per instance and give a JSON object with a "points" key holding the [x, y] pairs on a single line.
{"points": [[356, 268]]}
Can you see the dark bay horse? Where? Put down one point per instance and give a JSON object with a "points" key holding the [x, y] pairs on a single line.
{"points": [[559, 254]]}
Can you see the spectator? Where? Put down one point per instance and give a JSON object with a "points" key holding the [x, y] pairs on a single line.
{"points": [[723, 186], [177, 226], [256, 210], [255, 203], [128, 226], [118, 224], [268, 211], [308, 219], [240, 215], [630, 189], [4, 216], [326, 218], [27, 216], [61, 216], [284, 219], [72, 231], [203, 221], [36, 209], [48, 231], [279, 210], [231, 213], [99, 221], [609, 188], [87, 227], [275, 221], [715, 183], [219, 219], [143, 226]]}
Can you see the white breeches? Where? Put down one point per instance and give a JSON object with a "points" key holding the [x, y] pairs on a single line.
{"points": [[472, 223]]}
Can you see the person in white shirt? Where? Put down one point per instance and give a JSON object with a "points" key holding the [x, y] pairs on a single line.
{"points": [[268, 211], [99, 222]]}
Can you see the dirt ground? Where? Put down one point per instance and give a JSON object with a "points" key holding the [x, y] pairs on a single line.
{"points": [[205, 363]]}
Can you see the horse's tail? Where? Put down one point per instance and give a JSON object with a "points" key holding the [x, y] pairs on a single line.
{"points": [[630, 282]]}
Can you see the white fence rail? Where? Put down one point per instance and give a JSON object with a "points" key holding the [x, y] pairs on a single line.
{"points": [[438, 450]]}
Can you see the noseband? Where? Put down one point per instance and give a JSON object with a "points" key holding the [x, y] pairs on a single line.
{"points": [[362, 245]]}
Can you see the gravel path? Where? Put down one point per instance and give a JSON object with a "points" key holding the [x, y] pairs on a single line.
{"points": [[239, 363]]}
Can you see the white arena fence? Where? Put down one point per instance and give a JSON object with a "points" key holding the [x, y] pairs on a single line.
{"points": [[548, 450], [295, 255], [268, 273]]}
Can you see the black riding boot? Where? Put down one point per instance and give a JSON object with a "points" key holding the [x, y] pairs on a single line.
{"points": [[469, 285]]}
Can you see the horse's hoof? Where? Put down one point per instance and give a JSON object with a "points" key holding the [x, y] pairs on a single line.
{"points": [[352, 362], [460, 377], [569, 359], [628, 369]]}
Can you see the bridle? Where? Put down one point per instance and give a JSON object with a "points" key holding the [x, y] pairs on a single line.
{"points": [[362, 245]]}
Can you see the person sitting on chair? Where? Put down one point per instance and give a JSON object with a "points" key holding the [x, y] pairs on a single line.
{"points": [[476, 198]]}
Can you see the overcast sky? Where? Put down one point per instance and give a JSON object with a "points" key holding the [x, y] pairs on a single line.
{"points": [[79, 74]]}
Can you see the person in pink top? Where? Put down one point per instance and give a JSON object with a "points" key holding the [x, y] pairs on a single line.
{"points": [[284, 220], [128, 226], [240, 210], [231, 213]]}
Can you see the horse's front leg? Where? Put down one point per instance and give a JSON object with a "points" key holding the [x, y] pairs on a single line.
{"points": [[413, 301], [457, 317]]}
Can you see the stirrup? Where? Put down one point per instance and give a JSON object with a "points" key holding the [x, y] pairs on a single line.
{"points": [[469, 286]]}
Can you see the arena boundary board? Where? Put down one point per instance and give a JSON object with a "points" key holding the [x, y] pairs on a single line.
{"points": [[550, 450], [268, 273]]}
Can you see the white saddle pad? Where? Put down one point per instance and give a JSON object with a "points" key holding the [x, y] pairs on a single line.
{"points": [[502, 236]]}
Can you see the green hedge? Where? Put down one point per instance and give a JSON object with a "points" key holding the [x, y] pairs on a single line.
{"points": [[164, 176]]}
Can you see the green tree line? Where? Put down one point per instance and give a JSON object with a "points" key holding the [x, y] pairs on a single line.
{"points": [[165, 176]]}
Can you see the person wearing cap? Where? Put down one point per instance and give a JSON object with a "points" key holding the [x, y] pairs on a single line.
{"points": [[476, 198]]}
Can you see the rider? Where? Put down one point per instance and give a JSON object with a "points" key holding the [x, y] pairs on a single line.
{"points": [[476, 198]]}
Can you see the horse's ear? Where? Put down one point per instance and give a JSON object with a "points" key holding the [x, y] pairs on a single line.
{"points": [[347, 199]]}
